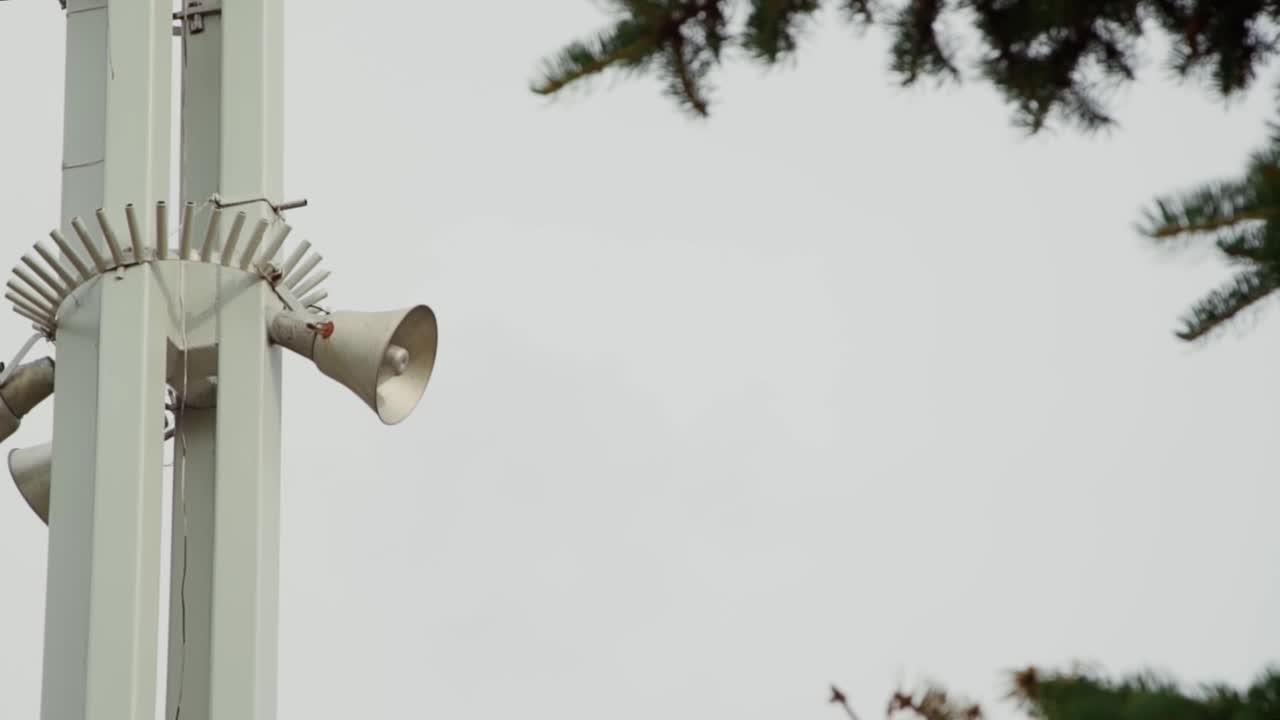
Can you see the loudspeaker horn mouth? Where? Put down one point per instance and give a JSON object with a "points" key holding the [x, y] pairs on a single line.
{"points": [[385, 358], [31, 469], [407, 364]]}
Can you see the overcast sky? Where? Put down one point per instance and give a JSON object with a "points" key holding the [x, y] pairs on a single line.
{"points": [[847, 384]]}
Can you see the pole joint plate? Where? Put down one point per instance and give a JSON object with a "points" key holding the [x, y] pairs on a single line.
{"points": [[193, 13], [298, 282]]}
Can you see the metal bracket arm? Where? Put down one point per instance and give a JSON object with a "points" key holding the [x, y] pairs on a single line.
{"points": [[193, 15]]}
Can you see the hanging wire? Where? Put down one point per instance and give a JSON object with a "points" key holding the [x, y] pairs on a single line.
{"points": [[181, 448], [179, 418], [17, 359]]}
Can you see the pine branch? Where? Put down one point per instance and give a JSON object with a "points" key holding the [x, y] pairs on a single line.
{"points": [[1223, 304], [628, 44], [862, 11], [1243, 218], [933, 703], [648, 30], [685, 76], [1251, 245], [1080, 105], [917, 49], [1207, 209], [1229, 40], [770, 32], [1085, 696], [1052, 58], [712, 22]]}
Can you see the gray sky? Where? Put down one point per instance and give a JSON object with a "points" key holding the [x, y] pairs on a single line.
{"points": [[847, 384]]}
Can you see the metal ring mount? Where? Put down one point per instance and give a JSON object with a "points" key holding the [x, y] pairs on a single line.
{"points": [[38, 289]]}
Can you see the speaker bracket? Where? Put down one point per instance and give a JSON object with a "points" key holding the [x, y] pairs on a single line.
{"points": [[192, 14], [299, 284], [284, 293]]}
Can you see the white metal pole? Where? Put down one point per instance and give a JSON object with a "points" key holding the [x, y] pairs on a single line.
{"points": [[191, 566], [191, 551], [101, 616], [247, 514], [228, 487]]}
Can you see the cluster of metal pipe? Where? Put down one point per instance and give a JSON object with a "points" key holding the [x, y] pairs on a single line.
{"points": [[38, 289]]}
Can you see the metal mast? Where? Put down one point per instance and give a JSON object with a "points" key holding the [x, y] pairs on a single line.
{"points": [[202, 309], [104, 544], [227, 457]]}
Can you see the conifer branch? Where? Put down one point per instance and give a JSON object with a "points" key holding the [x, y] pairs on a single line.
{"points": [[933, 703], [1087, 696], [686, 76], [1229, 40], [860, 11], [1052, 61], [1083, 695], [917, 50], [1243, 218], [629, 43], [1208, 209], [1046, 62], [647, 30], [770, 32], [1250, 245], [1223, 304], [1049, 59]]}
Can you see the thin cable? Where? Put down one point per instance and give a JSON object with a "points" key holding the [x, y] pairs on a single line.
{"points": [[181, 425], [22, 353], [180, 415]]}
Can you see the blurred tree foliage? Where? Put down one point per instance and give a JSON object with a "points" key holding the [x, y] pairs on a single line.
{"points": [[1081, 695], [1052, 60], [1241, 217]]}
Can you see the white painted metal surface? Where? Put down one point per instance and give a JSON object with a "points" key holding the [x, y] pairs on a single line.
{"points": [[226, 501], [102, 609], [131, 317], [191, 566], [247, 509]]}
